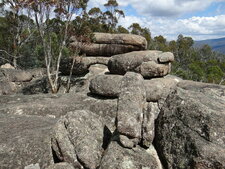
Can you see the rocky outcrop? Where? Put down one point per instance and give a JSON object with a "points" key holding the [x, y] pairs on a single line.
{"points": [[105, 44], [190, 127], [130, 116], [147, 63]]}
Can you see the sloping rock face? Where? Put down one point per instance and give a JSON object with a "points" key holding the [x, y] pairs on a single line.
{"points": [[106, 44], [25, 140], [190, 127]]}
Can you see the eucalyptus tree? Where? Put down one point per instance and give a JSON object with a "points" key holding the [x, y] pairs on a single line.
{"points": [[64, 11]]}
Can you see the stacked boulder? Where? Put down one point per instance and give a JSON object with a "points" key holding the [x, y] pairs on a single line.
{"points": [[104, 46], [137, 80], [140, 81]]}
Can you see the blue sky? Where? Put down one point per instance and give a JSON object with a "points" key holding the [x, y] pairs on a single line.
{"points": [[200, 19]]}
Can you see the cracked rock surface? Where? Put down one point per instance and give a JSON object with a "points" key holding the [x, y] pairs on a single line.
{"points": [[190, 127], [78, 139]]}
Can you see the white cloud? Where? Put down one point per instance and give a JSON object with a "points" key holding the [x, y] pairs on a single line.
{"points": [[167, 8], [158, 16], [196, 27]]}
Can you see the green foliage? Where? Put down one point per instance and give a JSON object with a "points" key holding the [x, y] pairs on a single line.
{"points": [[135, 28]]}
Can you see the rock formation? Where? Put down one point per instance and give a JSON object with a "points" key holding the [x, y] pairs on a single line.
{"points": [[123, 111], [105, 44]]}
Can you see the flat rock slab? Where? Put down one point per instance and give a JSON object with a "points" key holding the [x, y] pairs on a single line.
{"points": [[55, 106], [106, 50], [25, 141], [147, 63], [122, 158], [125, 39], [106, 44], [190, 127]]}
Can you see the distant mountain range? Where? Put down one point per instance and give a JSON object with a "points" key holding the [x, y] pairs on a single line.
{"points": [[216, 44]]}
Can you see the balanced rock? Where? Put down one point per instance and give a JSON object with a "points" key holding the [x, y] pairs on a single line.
{"points": [[81, 65], [106, 44], [147, 63], [132, 98], [190, 127]]}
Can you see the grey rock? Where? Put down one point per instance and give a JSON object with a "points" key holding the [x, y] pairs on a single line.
{"points": [[7, 66], [81, 65], [13, 75], [148, 127], [25, 141], [37, 86], [166, 57], [105, 50], [125, 39], [7, 88], [32, 166], [190, 127], [132, 99], [143, 62], [37, 72], [81, 83], [81, 139], [128, 142], [62, 165], [106, 85], [106, 44], [117, 157], [48, 105], [159, 88], [152, 69]]}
